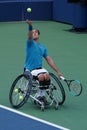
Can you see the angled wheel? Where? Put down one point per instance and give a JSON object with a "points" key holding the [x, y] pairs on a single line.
{"points": [[20, 91], [57, 90]]}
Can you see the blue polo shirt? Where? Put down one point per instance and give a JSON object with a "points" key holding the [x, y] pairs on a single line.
{"points": [[34, 54]]}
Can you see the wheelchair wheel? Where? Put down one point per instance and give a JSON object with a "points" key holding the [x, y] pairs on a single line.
{"points": [[57, 89], [20, 91]]}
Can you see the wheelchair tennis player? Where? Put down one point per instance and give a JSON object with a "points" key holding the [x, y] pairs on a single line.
{"points": [[35, 52]]}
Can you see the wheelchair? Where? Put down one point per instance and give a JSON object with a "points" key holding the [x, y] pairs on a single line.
{"points": [[25, 87]]}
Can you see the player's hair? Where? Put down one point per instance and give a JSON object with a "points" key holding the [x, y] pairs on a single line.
{"points": [[38, 31]]}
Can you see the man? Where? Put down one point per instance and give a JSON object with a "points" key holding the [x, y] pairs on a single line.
{"points": [[35, 51]]}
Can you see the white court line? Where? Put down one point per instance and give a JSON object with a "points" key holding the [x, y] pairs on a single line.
{"points": [[32, 117]]}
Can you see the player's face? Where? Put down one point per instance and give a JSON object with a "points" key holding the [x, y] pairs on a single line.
{"points": [[35, 34]]}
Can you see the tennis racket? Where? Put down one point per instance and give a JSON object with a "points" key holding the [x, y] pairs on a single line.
{"points": [[74, 86]]}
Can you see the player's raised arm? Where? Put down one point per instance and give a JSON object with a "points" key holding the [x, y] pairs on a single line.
{"points": [[30, 36]]}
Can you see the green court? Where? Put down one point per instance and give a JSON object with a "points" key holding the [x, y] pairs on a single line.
{"points": [[69, 51]]}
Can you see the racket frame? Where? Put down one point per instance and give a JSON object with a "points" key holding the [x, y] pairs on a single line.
{"points": [[68, 82]]}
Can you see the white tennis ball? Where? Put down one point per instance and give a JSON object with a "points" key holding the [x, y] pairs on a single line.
{"points": [[21, 97], [28, 10]]}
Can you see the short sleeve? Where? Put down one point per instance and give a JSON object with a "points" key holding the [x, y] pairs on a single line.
{"points": [[45, 52]]}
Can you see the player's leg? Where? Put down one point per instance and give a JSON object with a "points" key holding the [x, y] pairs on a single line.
{"points": [[44, 81]]}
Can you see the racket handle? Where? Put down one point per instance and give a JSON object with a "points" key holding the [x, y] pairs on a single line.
{"points": [[62, 77]]}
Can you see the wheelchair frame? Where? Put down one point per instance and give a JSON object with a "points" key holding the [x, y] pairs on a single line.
{"points": [[25, 87]]}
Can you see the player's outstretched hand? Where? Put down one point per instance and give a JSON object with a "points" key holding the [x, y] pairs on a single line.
{"points": [[28, 22]]}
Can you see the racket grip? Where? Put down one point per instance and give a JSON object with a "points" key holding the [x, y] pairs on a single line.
{"points": [[62, 77]]}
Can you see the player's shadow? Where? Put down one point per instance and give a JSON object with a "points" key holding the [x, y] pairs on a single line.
{"points": [[77, 30]]}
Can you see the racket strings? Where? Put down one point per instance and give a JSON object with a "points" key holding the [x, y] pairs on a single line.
{"points": [[75, 87]]}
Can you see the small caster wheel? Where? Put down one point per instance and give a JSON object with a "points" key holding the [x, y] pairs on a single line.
{"points": [[56, 107], [35, 102], [42, 107]]}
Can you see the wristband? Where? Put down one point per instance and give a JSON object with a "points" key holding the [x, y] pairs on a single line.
{"points": [[30, 28]]}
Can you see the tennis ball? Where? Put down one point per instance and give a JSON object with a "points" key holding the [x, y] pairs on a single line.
{"points": [[16, 90], [21, 97], [28, 10]]}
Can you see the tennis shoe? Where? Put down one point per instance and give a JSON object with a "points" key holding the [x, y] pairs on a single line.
{"points": [[42, 99], [45, 101]]}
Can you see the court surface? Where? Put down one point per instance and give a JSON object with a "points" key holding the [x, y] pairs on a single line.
{"points": [[69, 51], [13, 120]]}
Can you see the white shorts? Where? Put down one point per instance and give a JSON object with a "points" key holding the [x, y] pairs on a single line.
{"points": [[36, 72]]}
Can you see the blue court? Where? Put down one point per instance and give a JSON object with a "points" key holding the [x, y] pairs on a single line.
{"points": [[11, 119]]}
